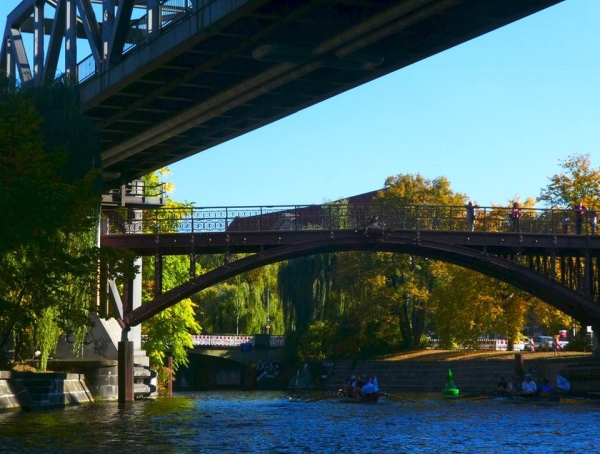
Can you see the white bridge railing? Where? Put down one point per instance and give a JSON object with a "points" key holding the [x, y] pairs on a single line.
{"points": [[232, 341], [485, 344]]}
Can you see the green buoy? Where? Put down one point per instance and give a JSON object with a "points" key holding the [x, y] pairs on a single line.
{"points": [[450, 390]]}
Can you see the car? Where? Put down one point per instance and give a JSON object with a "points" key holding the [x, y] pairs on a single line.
{"points": [[544, 344]]}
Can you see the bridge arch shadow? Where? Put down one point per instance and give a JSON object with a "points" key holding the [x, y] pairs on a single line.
{"points": [[552, 292]]}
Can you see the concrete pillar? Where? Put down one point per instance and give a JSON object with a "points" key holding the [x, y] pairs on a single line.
{"points": [[135, 334], [170, 381], [519, 366], [125, 369]]}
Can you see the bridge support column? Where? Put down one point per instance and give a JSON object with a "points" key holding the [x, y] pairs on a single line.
{"points": [[596, 339], [135, 335], [125, 370]]}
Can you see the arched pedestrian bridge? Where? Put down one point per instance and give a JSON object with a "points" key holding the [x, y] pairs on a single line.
{"points": [[538, 256]]}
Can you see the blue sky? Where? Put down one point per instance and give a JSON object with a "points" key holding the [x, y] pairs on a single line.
{"points": [[495, 116]]}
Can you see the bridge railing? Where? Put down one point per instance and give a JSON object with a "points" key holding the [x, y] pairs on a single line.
{"points": [[232, 341], [338, 217], [170, 13]]}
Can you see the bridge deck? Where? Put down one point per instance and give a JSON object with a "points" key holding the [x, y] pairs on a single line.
{"points": [[194, 74]]}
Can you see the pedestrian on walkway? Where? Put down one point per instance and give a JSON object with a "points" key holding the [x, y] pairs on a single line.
{"points": [[471, 215], [593, 218], [580, 210], [515, 216], [565, 223]]}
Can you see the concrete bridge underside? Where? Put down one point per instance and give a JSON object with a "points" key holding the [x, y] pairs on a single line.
{"points": [[199, 73], [571, 302], [219, 74]]}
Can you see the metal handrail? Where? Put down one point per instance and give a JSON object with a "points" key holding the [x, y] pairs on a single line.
{"points": [[171, 12], [341, 216]]}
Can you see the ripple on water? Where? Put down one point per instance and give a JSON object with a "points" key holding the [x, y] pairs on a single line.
{"points": [[253, 422]]}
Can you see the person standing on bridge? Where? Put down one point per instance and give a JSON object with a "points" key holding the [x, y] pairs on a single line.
{"points": [[593, 218], [580, 210], [515, 216], [471, 215]]}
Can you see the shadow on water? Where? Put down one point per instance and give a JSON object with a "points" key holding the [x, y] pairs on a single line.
{"points": [[248, 422]]}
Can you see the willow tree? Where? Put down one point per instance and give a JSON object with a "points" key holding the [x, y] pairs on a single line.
{"points": [[243, 303]]}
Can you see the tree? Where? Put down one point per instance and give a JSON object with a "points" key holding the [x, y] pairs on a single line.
{"points": [[170, 331], [410, 280], [49, 184], [578, 183]]}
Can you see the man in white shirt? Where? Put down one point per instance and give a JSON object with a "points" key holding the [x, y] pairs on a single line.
{"points": [[528, 387]]}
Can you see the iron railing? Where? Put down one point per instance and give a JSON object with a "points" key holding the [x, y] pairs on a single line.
{"points": [[340, 217], [170, 12]]}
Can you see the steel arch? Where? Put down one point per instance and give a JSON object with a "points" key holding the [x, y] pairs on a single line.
{"points": [[563, 298]]}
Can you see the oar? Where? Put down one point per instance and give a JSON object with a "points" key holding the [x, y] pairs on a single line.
{"points": [[396, 398], [327, 395]]}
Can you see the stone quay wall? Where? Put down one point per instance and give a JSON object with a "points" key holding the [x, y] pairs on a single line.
{"points": [[29, 390], [470, 376]]}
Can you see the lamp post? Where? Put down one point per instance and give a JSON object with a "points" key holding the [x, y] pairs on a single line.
{"points": [[237, 317], [268, 325]]}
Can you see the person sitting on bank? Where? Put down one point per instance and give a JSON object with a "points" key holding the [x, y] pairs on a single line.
{"points": [[528, 387], [502, 385], [513, 385], [545, 389]]}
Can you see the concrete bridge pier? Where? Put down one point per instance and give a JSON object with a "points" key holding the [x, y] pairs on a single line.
{"points": [[125, 370]]}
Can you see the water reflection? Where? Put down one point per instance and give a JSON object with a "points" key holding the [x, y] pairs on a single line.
{"points": [[245, 422]]}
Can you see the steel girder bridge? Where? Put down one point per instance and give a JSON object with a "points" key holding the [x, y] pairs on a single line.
{"points": [[166, 79], [562, 269]]}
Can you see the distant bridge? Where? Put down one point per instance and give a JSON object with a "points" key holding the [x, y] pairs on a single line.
{"points": [[167, 79], [556, 265]]}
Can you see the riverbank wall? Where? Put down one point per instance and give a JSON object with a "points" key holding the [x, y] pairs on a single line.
{"points": [[470, 375], [30, 390]]}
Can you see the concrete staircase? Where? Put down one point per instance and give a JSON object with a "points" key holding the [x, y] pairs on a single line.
{"points": [[145, 384]]}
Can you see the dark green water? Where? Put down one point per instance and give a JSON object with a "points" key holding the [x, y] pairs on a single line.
{"points": [[263, 422]]}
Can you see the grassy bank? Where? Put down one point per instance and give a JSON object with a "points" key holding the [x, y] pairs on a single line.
{"points": [[475, 355]]}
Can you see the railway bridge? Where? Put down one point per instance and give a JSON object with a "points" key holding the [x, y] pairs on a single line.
{"points": [[166, 79]]}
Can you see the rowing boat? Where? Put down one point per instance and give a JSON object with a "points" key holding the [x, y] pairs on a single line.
{"points": [[372, 398]]}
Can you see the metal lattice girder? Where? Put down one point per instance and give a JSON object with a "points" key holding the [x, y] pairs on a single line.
{"points": [[120, 30], [72, 20], [92, 29], [56, 35], [20, 55]]}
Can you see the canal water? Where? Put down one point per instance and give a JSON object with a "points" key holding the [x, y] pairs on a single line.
{"points": [[269, 422]]}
